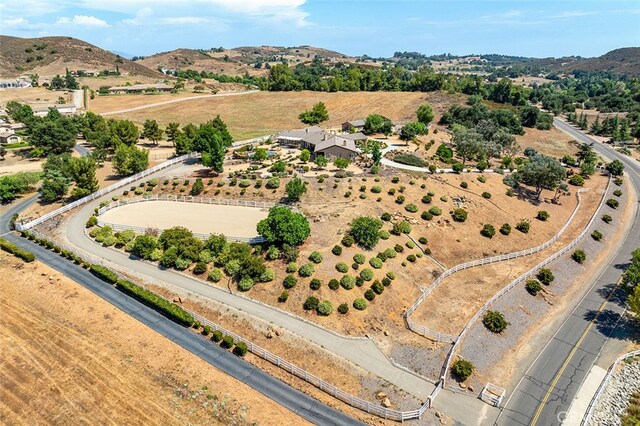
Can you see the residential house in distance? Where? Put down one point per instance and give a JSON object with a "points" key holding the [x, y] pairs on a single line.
{"points": [[353, 125], [321, 142], [64, 109], [139, 88], [18, 83], [8, 136]]}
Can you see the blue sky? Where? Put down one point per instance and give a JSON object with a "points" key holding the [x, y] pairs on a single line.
{"points": [[376, 27]]}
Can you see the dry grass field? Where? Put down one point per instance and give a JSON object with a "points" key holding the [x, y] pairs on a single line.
{"points": [[263, 113], [68, 357]]}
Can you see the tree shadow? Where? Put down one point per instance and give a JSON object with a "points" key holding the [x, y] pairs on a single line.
{"points": [[619, 296], [615, 325], [526, 194]]}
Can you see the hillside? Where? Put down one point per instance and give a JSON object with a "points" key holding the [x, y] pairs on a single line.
{"points": [[240, 60], [624, 61], [48, 56]]}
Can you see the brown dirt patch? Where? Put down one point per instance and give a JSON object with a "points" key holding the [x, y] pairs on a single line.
{"points": [[553, 142], [60, 365]]}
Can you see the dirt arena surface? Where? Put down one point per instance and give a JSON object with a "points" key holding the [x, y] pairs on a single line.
{"points": [[68, 357], [235, 221]]}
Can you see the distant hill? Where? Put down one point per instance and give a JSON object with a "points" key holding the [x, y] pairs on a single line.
{"points": [[624, 61], [239, 60], [48, 56]]}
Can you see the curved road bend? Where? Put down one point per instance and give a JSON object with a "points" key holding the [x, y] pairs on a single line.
{"points": [[547, 389], [296, 401]]}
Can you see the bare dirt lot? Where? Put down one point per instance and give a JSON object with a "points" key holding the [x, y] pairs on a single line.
{"points": [[263, 113], [68, 357], [236, 221]]}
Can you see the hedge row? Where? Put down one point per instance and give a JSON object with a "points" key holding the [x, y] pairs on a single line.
{"points": [[104, 274], [170, 310], [9, 247]]}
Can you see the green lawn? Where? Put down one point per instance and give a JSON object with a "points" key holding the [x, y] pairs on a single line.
{"points": [[16, 145]]}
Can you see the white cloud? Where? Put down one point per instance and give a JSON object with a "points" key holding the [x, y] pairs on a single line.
{"points": [[83, 20], [142, 16], [575, 14], [184, 20], [15, 22]]}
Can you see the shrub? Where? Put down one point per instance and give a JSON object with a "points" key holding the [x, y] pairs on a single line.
{"points": [[92, 221], [292, 267], [533, 286], [542, 215], [347, 282], [205, 256], [618, 181], [576, 180], [360, 304], [523, 226], [402, 227], [505, 229], [457, 167], [315, 284], [494, 321], [596, 235], [311, 303], [273, 253], [426, 199], [227, 342], [337, 250], [486, 195], [488, 231], [391, 191], [613, 203], [411, 258], [459, 215], [395, 179], [545, 275], [606, 218], [426, 216], [409, 159], [315, 257], [215, 275], [197, 187], [369, 295], [181, 263], [168, 309], [579, 256], [389, 253], [391, 275], [375, 262], [366, 274], [245, 284], [386, 217], [343, 308], [289, 281], [200, 268], [411, 208], [382, 256], [384, 235], [462, 369], [377, 287], [324, 308], [422, 240], [240, 349], [104, 274], [334, 284], [464, 185], [306, 270], [359, 259], [267, 276], [273, 183], [284, 296], [342, 267], [617, 193], [376, 189], [435, 210], [400, 199], [216, 336]]}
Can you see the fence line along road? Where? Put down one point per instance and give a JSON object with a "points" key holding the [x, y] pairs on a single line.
{"points": [[443, 337], [518, 280], [603, 385], [260, 352]]}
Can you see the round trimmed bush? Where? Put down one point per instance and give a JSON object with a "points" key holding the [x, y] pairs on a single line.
{"points": [[494, 321], [411, 258], [360, 304], [612, 203], [411, 208], [348, 240], [215, 275], [505, 229], [377, 287], [325, 308], [426, 199], [422, 240], [486, 195], [267, 276], [459, 215], [273, 253], [462, 369], [386, 282], [426, 216], [359, 259], [343, 308], [385, 217], [617, 192], [284, 296], [227, 342], [292, 267], [181, 264], [402, 227], [315, 284], [369, 295], [347, 282], [400, 199], [245, 284], [240, 349], [523, 226], [217, 336], [435, 210], [306, 270], [545, 275], [342, 267], [391, 275], [464, 185], [200, 268], [488, 231], [542, 215], [337, 250], [384, 235], [366, 274], [390, 253], [311, 303], [597, 235], [576, 180], [315, 257], [334, 284], [273, 183], [376, 189], [375, 262], [289, 281], [533, 287], [606, 218]]}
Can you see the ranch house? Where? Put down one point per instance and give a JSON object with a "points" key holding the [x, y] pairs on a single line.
{"points": [[7, 137], [321, 142]]}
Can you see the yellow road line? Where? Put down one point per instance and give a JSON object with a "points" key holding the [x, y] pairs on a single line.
{"points": [[554, 382]]}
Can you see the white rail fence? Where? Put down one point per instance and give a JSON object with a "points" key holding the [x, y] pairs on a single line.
{"points": [[603, 385], [519, 280], [443, 337], [336, 392], [106, 190]]}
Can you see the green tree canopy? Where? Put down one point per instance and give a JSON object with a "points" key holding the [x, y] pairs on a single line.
{"points": [[542, 172], [129, 160], [283, 226], [315, 115], [53, 134], [412, 130], [425, 114], [124, 131], [83, 172], [376, 123], [365, 231], [295, 188]]}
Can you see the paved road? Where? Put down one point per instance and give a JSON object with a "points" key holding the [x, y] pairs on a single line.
{"points": [[301, 404], [546, 391]]}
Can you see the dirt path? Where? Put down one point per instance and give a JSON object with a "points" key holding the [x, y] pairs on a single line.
{"points": [[68, 357]]}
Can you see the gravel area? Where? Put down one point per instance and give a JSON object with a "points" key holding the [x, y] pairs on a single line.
{"points": [[425, 361], [615, 398], [495, 355]]}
